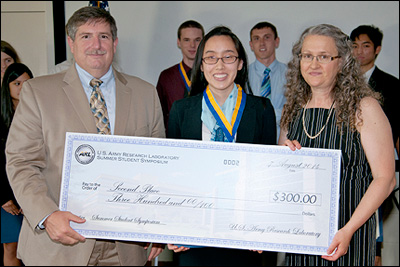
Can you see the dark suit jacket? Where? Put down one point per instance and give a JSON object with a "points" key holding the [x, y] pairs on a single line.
{"points": [[257, 126], [388, 86]]}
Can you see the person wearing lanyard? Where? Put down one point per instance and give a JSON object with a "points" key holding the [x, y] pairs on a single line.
{"points": [[221, 108], [174, 82]]}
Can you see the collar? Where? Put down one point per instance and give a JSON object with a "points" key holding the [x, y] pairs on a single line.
{"points": [[186, 67], [261, 67], [86, 77], [368, 74]]}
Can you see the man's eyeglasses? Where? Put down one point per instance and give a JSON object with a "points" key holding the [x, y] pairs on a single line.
{"points": [[320, 58], [213, 60]]}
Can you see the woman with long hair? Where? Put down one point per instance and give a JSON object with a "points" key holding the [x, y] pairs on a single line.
{"points": [[330, 105], [11, 214]]}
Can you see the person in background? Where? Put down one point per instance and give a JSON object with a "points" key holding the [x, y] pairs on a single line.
{"points": [[264, 41], [367, 44], [8, 56], [219, 83], [64, 102], [11, 213], [330, 105], [174, 83]]}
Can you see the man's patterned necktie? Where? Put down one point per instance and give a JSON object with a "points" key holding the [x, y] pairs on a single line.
{"points": [[99, 108], [266, 84]]}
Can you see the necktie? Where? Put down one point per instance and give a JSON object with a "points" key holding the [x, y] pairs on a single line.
{"points": [[99, 108], [266, 84]]}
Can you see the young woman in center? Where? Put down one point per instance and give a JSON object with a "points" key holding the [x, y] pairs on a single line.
{"points": [[221, 107]]}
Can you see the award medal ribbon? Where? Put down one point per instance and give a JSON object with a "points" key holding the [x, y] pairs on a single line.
{"points": [[185, 78], [229, 129]]}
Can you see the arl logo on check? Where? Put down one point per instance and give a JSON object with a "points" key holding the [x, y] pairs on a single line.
{"points": [[85, 154]]}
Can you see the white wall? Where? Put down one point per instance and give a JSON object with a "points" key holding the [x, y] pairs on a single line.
{"points": [[147, 29], [28, 27]]}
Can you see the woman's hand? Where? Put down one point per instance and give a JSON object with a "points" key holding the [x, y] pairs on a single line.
{"points": [[339, 246], [11, 208], [292, 144], [176, 248]]}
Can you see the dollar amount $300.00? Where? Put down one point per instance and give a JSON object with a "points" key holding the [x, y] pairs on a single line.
{"points": [[295, 198]]}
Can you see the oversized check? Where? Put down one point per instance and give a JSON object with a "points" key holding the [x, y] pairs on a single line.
{"points": [[202, 193]]}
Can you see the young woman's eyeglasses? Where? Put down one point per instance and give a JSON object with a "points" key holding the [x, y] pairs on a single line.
{"points": [[213, 60], [320, 58]]}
